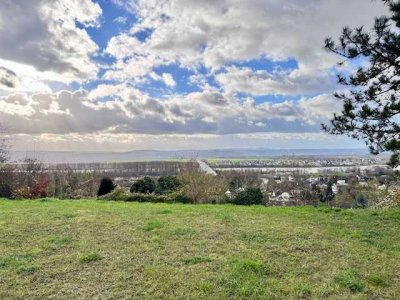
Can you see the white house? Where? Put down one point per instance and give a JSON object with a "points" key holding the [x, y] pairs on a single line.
{"points": [[284, 197], [335, 189]]}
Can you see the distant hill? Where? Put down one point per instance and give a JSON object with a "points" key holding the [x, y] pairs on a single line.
{"points": [[152, 155]]}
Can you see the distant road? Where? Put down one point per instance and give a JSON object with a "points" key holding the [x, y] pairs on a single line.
{"points": [[206, 168]]}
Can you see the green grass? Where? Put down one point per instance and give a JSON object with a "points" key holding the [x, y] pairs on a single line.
{"points": [[88, 258], [114, 250], [194, 260]]}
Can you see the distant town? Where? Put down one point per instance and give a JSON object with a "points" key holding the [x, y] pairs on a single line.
{"points": [[284, 181]]}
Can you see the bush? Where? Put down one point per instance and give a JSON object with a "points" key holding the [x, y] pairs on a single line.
{"points": [[5, 190], [146, 185], [393, 200], [167, 184], [21, 193], [119, 194], [179, 197], [250, 196], [106, 187], [168, 198], [200, 187], [39, 189], [361, 201], [140, 197]]}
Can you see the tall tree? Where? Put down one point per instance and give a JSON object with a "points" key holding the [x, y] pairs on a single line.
{"points": [[371, 102]]}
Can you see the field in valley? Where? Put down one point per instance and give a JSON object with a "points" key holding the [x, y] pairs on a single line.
{"points": [[114, 250]]}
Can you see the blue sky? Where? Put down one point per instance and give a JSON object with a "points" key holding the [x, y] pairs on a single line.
{"points": [[121, 75]]}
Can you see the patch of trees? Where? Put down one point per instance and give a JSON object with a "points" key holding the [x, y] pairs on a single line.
{"points": [[191, 186], [249, 196]]}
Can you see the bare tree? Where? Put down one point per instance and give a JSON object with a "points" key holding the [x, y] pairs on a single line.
{"points": [[4, 145]]}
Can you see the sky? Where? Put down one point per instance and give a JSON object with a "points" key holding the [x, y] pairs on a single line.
{"points": [[114, 75]]}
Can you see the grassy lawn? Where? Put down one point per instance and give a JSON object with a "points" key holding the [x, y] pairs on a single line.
{"points": [[92, 249]]}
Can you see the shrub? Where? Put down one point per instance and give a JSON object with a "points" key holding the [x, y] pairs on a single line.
{"points": [[167, 184], [5, 190], [238, 180], [169, 198], [106, 187], [393, 200], [39, 189], [203, 188], [345, 198], [146, 185], [140, 197], [361, 201], [250, 196], [21, 193], [179, 197], [118, 194]]}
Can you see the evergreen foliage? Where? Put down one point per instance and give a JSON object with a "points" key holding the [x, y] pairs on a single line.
{"points": [[371, 104], [145, 185], [106, 187], [249, 196], [167, 184]]}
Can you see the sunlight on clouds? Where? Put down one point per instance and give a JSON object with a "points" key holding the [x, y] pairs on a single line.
{"points": [[128, 142], [178, 72]]}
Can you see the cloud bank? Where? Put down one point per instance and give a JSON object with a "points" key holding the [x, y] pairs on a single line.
{"points": [[171, 68]]}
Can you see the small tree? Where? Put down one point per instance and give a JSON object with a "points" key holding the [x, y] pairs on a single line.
{"points": [[106, 187], [40, 188], [200, 187], [6, 174], [329, 195], [250, 196], [4, 146], [5, 190], [146, 185], [238, 180], [167, 184]]}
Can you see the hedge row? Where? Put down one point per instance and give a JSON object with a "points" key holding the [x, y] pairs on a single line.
{"points": [[120, 194]]}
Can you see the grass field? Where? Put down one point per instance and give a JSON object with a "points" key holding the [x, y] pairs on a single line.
{"points": [[102, 250]]}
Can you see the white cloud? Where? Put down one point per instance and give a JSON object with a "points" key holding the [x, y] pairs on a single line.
{"points": [[127, 142], [44, 34], [121, 20], [46, 41], [319, 108], [131, 111], [214, 33], [261, 82], [168, 79]]}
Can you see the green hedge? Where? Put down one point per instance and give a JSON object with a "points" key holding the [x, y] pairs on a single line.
{"points": [[120, 194]]}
